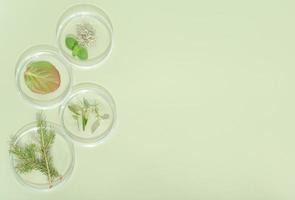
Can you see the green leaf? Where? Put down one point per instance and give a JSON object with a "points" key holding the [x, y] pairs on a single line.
{"points": [[71, 42], [80, 52], [84, 120], [83, 53], [75, 108], [42, 77], [76, 117], [95, 125], [76, 50]]}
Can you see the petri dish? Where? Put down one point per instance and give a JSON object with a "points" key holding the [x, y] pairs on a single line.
{"points": [[61, 152], [90, 29], [50, 56], [88, 115]]}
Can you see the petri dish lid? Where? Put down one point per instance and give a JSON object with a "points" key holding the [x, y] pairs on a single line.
{"points": [[89, 28], [62, 152], [88, 115], [43, 77]]}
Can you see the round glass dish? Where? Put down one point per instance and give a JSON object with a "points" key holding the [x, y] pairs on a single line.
{"points": [[90, 29], [37, 54], [89, 114], [61, 153]]}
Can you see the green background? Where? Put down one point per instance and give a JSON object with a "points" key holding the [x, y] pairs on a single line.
{"points": [[204, 92]]}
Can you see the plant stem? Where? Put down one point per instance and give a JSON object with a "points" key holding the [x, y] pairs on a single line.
{"points": [[44, 151]]}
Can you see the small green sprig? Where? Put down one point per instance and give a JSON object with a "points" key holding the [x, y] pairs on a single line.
{"points": [[81, 112], [37, 156], [77, 49]]}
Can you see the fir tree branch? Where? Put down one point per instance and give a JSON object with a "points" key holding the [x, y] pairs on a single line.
{"points": [[37, 156]]}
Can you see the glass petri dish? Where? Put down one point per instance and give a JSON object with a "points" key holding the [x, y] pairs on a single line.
{"points": [[91, 29], [43, 53], [63, 157], [88, 115]]}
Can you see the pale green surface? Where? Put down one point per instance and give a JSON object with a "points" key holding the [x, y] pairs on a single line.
{"points": [[205, 97]]}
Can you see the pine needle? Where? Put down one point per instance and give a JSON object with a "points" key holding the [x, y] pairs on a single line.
{"points": [[37, 156]]}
